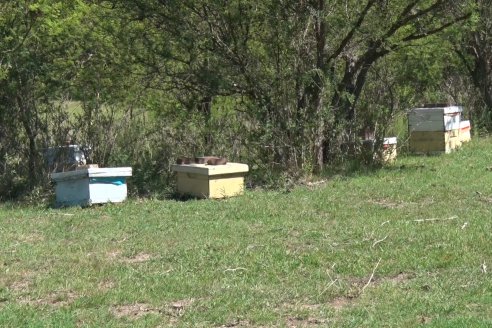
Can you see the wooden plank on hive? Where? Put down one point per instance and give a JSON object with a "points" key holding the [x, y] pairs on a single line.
{"points": [[428, 136], [427, 126], [427, 147]]}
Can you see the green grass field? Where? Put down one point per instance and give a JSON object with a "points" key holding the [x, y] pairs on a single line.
{"points": [[409, 245]]}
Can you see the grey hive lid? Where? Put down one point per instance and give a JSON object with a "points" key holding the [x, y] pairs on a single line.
{"points": [[448, 109], [104, 172]]}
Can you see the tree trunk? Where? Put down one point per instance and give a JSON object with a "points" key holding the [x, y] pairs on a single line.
{"points": [[206, 110], [26, 117], [317, 89]]}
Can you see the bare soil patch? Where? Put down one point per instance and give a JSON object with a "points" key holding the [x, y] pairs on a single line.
{"points": [[236, 324], [399, 278], [114, 254], [424, 320], [298, 322], [179, 307], [342, 302], [133, 311]]}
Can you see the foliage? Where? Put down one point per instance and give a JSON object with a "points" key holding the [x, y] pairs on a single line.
{"points": [[474, 49], [301, 66], [31, 41], [285, 86]]}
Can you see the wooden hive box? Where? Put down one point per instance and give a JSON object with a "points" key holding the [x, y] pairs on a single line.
{"points": [[434, 142], [91, 186], [211, 181], [434, 129]]}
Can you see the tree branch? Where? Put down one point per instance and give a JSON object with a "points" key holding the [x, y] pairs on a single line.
{"points": [[405, 18], [351, 33], [413, 37]]}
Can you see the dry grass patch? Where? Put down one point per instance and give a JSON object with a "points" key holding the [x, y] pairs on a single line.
{"points": [[116, 255], [360, 283], [399, 278], [236, 324], [133, 311], [23, 282], [386, 203], [32, 238], [356, 288], [57, 300], [106, 285], [301, 306], [20, 286], [179, 307], [298, 322], [342, 302], [139, 258]]}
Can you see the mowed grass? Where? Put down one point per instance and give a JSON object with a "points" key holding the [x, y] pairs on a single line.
{"points": [[405, 246]]}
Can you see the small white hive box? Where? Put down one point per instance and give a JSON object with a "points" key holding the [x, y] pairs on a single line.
{"points": [[211, 181], [389, 149], [434, 129], [91, 186], [465, 131]]}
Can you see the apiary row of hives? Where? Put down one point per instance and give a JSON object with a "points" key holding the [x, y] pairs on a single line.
{"points": [[432, 129]]}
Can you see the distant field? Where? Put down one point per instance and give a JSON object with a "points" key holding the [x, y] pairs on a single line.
{"points": [[405, 246]]}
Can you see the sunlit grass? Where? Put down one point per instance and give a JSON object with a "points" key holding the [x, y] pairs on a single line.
{"points": [[401, 247]]}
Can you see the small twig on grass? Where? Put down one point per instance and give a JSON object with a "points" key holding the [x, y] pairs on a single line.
{"points": [[328, 287], [385, 222], [372, 276], [436, 219], [235, 269], [379, 241], [464, 225]]}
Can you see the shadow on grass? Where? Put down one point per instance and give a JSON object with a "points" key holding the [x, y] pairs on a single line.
{"points": [[357, 168], [178, 197]]}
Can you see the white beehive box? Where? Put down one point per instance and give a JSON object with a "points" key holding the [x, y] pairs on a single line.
{"points": [[91, 186], [211, 181], [389, 149]]}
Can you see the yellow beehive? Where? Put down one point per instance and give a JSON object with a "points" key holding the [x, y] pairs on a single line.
{"points": [[210, 181], [429, 142]]}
